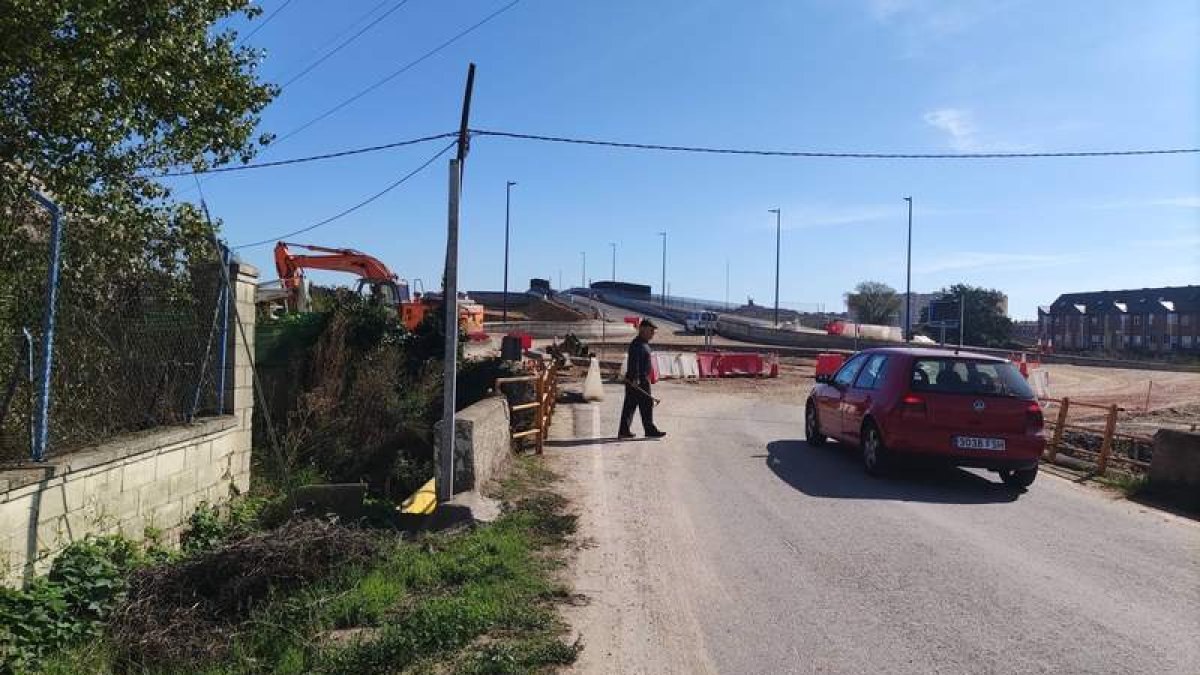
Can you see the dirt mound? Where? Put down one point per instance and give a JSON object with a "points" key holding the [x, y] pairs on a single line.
{"points": [[188, 611]]}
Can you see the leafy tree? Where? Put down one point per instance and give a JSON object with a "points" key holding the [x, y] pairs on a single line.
{"points": [[873, 302], [96, 97], [986, 324]]}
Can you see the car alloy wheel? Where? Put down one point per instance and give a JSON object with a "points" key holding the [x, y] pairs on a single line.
{"points": [[873, 452], [812, 433]]}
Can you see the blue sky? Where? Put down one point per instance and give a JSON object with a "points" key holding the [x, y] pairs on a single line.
{"points": [[842, 75]]}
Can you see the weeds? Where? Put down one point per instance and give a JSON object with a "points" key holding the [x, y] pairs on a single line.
{"points": [[71, 603], [1130, 484]]}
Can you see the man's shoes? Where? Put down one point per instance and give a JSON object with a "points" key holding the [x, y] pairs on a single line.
{"points": [[625, 434], [655, 434]]}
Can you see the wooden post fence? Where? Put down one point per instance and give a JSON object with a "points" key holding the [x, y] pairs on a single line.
{"points": [[1056, 441], [1110, 425], [545, 387]]}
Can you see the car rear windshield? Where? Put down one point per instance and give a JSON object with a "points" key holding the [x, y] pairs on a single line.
{"points": [[965, 376]]}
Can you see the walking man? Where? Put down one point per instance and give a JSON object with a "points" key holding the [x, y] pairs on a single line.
{"points": [[637, 384]]}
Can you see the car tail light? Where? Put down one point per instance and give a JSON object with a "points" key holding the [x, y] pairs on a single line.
{"points": [[1034, 421], [912, 406]]}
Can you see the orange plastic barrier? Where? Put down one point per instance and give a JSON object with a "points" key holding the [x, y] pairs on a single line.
{"points": [[828, 364], [721, 364]]}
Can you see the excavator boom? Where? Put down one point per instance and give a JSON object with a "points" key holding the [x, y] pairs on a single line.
{"points": [[371, 271], [291, 266]]}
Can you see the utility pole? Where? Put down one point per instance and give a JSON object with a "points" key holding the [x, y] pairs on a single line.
{"points": [[663, 289], [614, 260], [778, 229], [583, 270], [507, 203], [908, 279], [727, 284], [445, 460]]}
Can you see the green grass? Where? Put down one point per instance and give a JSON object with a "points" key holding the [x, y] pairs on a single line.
{"points": [[478, 601], [1131, 484]]}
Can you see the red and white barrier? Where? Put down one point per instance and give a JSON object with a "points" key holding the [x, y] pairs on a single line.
{"points": [[724, 364]]}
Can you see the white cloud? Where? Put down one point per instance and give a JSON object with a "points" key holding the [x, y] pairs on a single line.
{"points": [[1182, 202], [805, 217], [963, 260], [936, 17], [959, 125], [883, 10], [809, 216]]}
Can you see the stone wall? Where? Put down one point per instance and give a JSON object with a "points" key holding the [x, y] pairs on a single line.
{"points": [[152, 479], [482, 443], [1175, 467]]}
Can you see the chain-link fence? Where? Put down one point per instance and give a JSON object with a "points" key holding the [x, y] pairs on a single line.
{"points": [[129, 354]]}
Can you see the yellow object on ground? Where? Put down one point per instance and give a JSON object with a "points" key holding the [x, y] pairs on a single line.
{"points": [[423, 501]]}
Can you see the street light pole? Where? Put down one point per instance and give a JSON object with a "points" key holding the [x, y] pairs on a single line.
{"points": [[663, 288], [507, 210], [908, 279], [727, 283], [614, 261], [778, 229]]}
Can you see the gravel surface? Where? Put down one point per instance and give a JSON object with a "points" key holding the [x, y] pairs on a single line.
{"points": [[732, 546]]}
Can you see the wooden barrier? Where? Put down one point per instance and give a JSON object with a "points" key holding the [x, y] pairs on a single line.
{"points": [[545, 387], [1109, 434]]}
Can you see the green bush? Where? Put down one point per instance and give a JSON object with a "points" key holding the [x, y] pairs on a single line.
{"points": [[71, 603]]}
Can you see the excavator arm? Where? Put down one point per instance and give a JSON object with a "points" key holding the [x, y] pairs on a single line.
{"points": [[370, 270], [291, 266]]}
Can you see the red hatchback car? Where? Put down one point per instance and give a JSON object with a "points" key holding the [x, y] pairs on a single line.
{"points": [[962, 408]]}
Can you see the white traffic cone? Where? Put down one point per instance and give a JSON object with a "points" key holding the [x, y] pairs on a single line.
{"points": [[593, 389]]}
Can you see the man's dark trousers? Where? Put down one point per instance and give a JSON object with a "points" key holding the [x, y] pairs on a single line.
{"points": [[641, 401]]}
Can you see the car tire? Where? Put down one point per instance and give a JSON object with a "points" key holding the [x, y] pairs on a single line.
{"points": [[875, 456], [1019, 478], [812, 429]]}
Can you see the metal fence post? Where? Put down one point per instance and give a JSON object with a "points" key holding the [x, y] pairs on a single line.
{"points": [[223, 320], [42, 430]]}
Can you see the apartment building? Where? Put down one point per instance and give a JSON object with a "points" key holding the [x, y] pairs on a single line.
{"points": [[1146, 319]]}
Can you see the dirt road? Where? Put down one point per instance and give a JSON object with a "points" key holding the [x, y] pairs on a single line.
{"points": [[731, 546]]}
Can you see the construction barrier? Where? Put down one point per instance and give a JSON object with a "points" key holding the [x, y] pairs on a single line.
{"points": [[545, 395], [1108, 436], [723, 364], [669, 366], [828, 364]]}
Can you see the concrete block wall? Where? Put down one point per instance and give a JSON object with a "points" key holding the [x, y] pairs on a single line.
{"points": [[151, 479], [482, 443], [1175, 467]]}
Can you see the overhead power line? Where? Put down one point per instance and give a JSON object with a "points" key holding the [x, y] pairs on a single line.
{"points": [[354, 208], [822, 154], [264, 22], [400, 71], [680, 148], [343, 44], [310, 158]]}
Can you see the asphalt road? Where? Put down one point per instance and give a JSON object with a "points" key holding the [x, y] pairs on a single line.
{"points": [[733, 547]]}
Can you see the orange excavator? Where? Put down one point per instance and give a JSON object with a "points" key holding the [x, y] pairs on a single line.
{"points": [[373, 276]]}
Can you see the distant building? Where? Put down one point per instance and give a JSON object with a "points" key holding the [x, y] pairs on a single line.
{"points": [[1146, 319], [919, 302], [1025, 332], [639, 291]]}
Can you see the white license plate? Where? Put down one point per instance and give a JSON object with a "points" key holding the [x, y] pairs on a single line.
{"points": [[977, 443]]}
